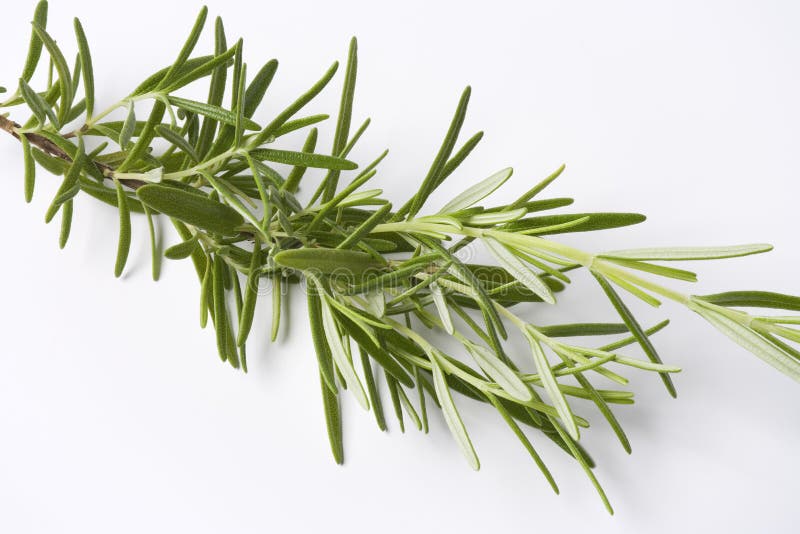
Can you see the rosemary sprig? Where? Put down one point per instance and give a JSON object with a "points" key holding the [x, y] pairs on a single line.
{"points": [[371, 273]]}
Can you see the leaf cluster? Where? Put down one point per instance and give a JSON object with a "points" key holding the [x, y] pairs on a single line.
{"points": [[372, 274]]}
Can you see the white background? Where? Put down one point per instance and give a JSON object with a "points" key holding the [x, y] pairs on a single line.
{"points": [[117, 416]]}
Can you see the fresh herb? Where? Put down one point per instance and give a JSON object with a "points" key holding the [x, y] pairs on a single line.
{"points": [[372, 273]]}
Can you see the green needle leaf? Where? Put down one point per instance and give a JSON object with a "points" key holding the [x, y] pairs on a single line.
{"points": [[689, 253], [348, 196], [41, 109], [149, 85], [216, 91], [412, 413], [551, 386], [154, 250], [441, 307], [583, 329], [451, 416], [333, 420], [298, 124], [750, 340], [128, 127], [182, 250], [432, 179], [192, 209], [561, 223], [459, 157], [191, 71], [270, 129], [616, 345], [366, 340], [319, 161], [323, 351], [634, 290], [227, 193], [576, 452], [355, 137], [293, 180], [64, 76], [661, 270], [519, 270], [221, 323], [124, 246], [107, 195], [35, 47], [340, 357], [459, 270], [206, 291], [535, 190], [497, 370], [345, 115], [70, 186], [30, 167], [524, 440], [258, 87], [277, 297], [239, 108], [602, 406], [395, 396], [636, 329], [381, 215], [346, 263], [86, 67], [186, 51], [495, 218], [76, 111], [178, 141], [211, 111], [535, 205], [372, 390], [250, 294], [143, 143], [423, 409], [237, 292], [66, 224], [754, 299], [478, 192]]}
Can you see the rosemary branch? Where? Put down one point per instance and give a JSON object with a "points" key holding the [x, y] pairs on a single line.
{"points": [[372, 274]]}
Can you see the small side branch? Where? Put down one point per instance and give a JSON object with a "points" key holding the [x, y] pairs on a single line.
{"points": [[51, 149]]}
